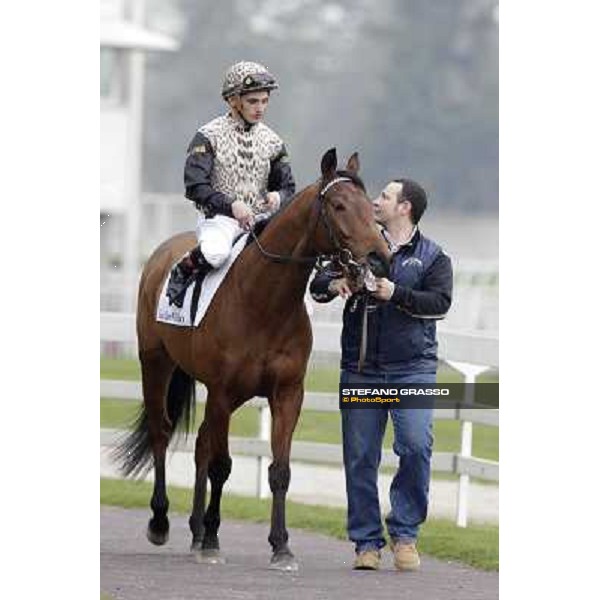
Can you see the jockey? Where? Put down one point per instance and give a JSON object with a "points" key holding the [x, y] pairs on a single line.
{"points": [[236, 168]]}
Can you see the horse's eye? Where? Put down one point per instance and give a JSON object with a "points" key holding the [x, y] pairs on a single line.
{"points": [[339, 207]]}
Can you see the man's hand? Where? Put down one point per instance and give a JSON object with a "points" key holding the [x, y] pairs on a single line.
{"points": [[384, 288], [341, 287], [243, 214], [272, 201]]}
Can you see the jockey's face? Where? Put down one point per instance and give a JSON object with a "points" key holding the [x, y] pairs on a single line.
{"points": [[388, 207], [251, 106]]}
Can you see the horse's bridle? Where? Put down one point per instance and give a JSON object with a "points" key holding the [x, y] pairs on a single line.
{"points": [[342, 255]]}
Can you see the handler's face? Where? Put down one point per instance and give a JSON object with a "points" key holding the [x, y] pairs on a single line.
{"points": [[386, 206]]}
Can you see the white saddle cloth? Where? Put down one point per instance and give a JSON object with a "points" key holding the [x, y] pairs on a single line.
{"points": [[166, 313]]}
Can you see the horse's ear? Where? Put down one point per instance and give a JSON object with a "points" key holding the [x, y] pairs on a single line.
{"points": [[329, 164], [353, 164]]}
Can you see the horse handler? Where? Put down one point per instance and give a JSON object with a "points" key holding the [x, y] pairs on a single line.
{"points": [[236, 168], [400, 348]]}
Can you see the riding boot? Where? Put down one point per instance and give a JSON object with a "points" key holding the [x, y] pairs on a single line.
{"points": [[183, 274]]}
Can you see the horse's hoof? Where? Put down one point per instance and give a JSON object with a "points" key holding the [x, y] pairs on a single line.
{"points": [[284, 562], [209, 557], [157, 538]]}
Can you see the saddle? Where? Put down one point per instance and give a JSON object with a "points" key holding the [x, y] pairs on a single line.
{"points": [[198, 298], [204, 286]]}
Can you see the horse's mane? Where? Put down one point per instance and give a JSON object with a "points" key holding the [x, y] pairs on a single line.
{"points": [[260, 227], [356, 180]]}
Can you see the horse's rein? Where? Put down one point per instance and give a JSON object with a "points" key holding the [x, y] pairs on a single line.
{"points": [[343, 255]]}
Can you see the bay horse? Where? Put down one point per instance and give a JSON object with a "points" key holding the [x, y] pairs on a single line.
{"points": [[254, 340]]}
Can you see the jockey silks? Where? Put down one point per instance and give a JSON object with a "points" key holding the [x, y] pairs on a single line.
{"points": [[227, 161]]}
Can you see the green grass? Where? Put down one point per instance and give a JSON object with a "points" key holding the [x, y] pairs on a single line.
{"points": [[314, 426], [318, 378], [476, 545], [120, 368]]}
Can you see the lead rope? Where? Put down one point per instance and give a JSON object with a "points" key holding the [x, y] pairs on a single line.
{"points": [[363, 336]]}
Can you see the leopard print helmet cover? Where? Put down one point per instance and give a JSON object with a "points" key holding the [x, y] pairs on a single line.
{"points": [[245, 77]]}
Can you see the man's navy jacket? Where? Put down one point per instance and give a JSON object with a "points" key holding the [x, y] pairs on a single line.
{"points": [[401, 335]]}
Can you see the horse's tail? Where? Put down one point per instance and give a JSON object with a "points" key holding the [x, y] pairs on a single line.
{"points": [[133, 453]]}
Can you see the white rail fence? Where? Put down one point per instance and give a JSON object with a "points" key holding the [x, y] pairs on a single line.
{"points": [[469, 353], [474, 306], [476, 280]]}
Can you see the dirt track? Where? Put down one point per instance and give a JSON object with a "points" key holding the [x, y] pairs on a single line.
{"points": [[133, 569]]}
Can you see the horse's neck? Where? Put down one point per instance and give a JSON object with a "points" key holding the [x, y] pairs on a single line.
{"points": [[282, 285]]}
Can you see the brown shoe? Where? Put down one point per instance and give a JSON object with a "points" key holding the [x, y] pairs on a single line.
{"points": [[368, 560], [406, 557]]}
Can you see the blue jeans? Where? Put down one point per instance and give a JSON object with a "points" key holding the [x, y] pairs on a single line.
{"points": [[362, 432]]}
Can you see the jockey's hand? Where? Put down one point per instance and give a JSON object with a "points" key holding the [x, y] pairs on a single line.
{"points": [[340, 287], [243, 214], [272, 201], [384, 288]]}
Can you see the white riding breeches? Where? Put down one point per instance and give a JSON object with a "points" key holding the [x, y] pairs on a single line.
{"points": [[215, 237]]}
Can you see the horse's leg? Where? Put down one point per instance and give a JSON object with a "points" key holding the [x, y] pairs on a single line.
{"points": [[196, 520], [212, 459], [157, 369], [219, 468], [285, 408]]}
